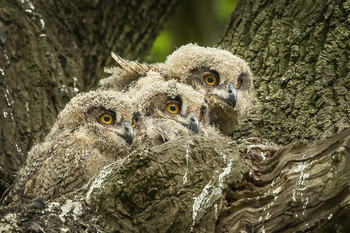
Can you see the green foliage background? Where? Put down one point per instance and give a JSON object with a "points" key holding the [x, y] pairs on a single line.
{"points": [[196, 21]]}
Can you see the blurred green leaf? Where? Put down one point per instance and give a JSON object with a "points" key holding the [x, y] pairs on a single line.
{"points": [[196, 21]]}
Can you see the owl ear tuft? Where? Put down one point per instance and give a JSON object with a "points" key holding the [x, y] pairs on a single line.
{"points": [[133, 68]]}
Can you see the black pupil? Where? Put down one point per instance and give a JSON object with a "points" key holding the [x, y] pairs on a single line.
{"points": [[173, 107], [107, 118], [210, 79]]}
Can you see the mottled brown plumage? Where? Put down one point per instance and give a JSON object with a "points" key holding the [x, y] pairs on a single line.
{"points": [[92, 131], [129, 71], [226, 79], [168, 110]]}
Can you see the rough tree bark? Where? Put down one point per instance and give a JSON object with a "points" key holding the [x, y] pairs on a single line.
{"points": [[195, 184], [50, 50], [299, 54]]}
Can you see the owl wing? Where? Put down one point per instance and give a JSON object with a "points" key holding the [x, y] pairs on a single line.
{"points": [[16, 193], [48, 172]]}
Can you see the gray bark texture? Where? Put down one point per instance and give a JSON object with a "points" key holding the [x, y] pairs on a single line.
{"points": [[299, 54], [196, 184], [298, 51], [51, 50]]}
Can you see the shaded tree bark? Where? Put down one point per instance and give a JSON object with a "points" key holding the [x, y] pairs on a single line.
{"points": [[206, 185], [51, 50], [299, 188], [298, 52]]}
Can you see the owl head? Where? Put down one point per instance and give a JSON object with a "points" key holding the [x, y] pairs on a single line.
{"points": [[168, 109], [226, 79], [93, 130], [101, 113], [221, 74]]}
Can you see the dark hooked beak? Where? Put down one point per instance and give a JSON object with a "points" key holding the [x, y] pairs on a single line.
{"points": [[231, 99], [193, 124], [128, 134]]}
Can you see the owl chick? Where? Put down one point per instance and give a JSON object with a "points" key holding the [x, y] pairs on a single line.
{"points": [[226, 79], [167, 110], [92, 131]]}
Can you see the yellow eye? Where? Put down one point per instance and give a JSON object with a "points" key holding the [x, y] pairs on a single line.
{"points": [[134, 122], [239, 83], [106, 118], [200, 116], [211, 79], [173, 107]]}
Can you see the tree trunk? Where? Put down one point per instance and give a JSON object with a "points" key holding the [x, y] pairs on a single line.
{"points": [[206, 185], [300, 188], [51, 50], [299, 53]]}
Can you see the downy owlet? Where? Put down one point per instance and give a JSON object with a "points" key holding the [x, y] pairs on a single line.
{"points": [[93, 130]]}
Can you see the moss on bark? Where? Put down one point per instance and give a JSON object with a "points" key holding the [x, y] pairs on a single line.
{"points": [[194, 184], [169, 188], [299, 53]]}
